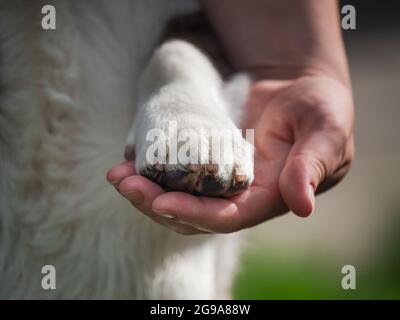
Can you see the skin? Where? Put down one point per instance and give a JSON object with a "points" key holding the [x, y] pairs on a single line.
{"points": [[300, 105]]}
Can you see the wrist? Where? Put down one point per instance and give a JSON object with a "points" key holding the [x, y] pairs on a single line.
{"points": [[290, 71], [281, 38]]}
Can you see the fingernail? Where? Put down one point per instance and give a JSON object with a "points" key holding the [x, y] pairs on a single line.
{"points": [[201, 228], [135, 197], [196, 226], [164, 214], [114, 183], [311, 195]]}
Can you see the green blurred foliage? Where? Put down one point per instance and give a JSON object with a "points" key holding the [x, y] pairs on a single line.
{"points": [[267, 273]]}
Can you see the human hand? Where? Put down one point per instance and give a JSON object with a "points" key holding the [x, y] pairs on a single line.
{"points": [[304, 144]]}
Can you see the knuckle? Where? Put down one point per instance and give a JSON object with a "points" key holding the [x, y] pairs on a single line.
{"points": [[316, 163]]}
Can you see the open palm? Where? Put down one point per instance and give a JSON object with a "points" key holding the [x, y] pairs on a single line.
{"points": [[304, 144]]}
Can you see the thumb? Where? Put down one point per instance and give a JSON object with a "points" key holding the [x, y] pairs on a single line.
{"points": [[312, 158]]}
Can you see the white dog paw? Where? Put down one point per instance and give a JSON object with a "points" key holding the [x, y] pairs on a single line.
{"points": [[209, 167]]}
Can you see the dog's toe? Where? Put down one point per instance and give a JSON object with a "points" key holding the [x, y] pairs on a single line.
{"points": [[177, 180], [197, 179]]}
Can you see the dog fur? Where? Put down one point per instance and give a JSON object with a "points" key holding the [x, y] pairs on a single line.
{"points": [[67, 100]]}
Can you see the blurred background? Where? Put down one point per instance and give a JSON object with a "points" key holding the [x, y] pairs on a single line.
{"points": [[358, 222]]}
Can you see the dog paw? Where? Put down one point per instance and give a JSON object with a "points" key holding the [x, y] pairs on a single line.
{"points": [[220, 178], [207, 180]]}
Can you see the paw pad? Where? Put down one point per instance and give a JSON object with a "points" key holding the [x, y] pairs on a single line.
{"points": [[197, 179]]}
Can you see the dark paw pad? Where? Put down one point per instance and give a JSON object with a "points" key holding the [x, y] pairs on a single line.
{"points": [[196, 179]]}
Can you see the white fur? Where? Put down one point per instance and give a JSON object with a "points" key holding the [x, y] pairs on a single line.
{"points": [[67, 97], [180, 84]]}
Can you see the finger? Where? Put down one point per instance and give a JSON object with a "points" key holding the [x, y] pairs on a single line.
{"points": [[221, 215], [119, 172], [196, 211], [174, 225], [333, 179], [340, 172], [313, 157], [141, 192], [182, 228]]}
